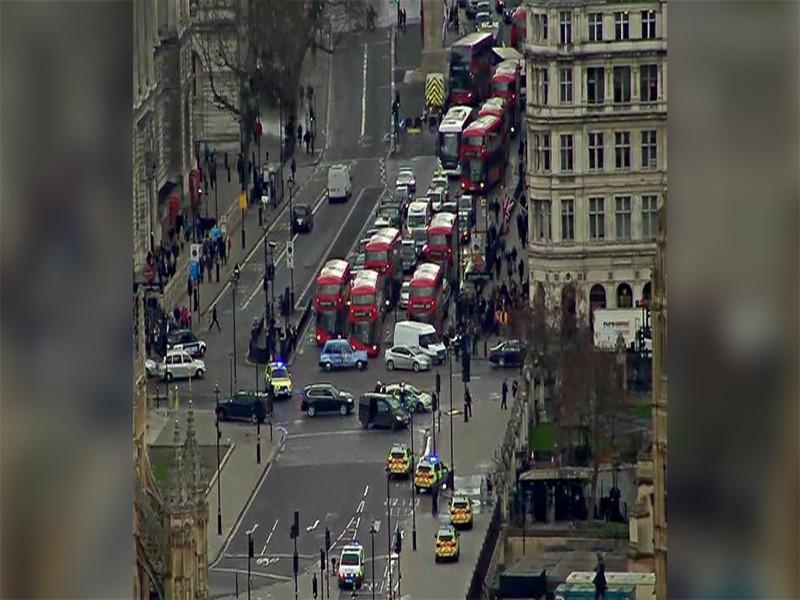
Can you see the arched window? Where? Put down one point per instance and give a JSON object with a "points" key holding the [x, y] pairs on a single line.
{"points": [[624, 296], [646, 294], [597, 296], [568, 308]]}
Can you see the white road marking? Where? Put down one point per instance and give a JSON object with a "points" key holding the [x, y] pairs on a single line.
{"points": [[366, 489], [360, 507], [269, 537], [364, 93]]}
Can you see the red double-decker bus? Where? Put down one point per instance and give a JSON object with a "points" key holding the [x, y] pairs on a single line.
{"points": [[383, 253], [507, 84], [501, 109], [471, 69], [441, 245], [366, 310], [518, 28], [484, 153], [427, 297], [330, 300]]}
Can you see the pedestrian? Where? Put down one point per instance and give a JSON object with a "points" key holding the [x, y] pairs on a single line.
{"points": [[510, 270], [299, 133], [312, 136], [498, 263], [294, 168], [475, 336], [214, 319], [496, 210], [504, 395], [435, 499], [521, 269], [599, 581], [514, 254], [176, 315], [190, 287], [514, 389], [467, 405], [307, 140]]}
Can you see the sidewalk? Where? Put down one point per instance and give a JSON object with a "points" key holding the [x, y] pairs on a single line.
{"points": [[175, 292], [240, 473]]}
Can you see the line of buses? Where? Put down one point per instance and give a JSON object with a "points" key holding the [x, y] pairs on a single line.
{"points": [[353, 305], [486, 110]]}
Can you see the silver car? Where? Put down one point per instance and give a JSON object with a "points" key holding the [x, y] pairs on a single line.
{"points": [[407, 357], [404, 293], [405, 176], [177, 364]]}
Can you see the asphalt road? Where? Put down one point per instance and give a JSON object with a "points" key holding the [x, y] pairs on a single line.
{"points": [[329, 469]]}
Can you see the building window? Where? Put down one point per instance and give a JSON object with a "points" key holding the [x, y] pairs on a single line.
{"points": [[566, 86], [541, 220], [649, 216], [540, 25], [595, 86], [596, 27], [595, 151], [624, 296], [648, 83], [541, 152], [597, 219], [622, 85], [567, 220], [542, 85], [622, 149], [565, 147], [648, 24], [622, 29], [622, 215], [565, 27], [649, 149]]}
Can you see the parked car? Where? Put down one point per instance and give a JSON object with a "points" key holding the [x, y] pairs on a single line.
{"points": [[407, 357], [508, 353], [184, 339], [405, 290], [325, 397], [408, 250], [381, 410], [405, 176], [339, 354], [177, 364], [415, 399], [243, 406], [302, 218]]}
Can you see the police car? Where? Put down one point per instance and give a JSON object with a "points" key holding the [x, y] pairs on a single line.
{"points": [[351, 566], [461, 511], [281, 380], [430, 472], [447, 547], [399, 461]]}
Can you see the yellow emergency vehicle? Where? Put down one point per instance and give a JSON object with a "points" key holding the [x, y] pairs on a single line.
{"points": [[400, 461], [461, 511], [281, 380], [430, 472], [447, 547]]}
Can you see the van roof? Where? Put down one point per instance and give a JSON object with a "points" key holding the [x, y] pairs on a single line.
{"points": [[421, 327]]}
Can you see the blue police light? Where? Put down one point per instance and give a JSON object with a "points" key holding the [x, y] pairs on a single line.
{"points": [[279, 364], [433, 458]]}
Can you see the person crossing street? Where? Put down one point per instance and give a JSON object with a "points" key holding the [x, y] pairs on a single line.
{"points": [[504, 396], [467, 405], [214, 319]]}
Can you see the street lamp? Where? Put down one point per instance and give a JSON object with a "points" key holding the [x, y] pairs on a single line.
{"points": [[272, 246], [389, 524], [413, 487], [290, 259], [219, 477], [234, 282], [453, 341], [374, 528], [250, 555]]}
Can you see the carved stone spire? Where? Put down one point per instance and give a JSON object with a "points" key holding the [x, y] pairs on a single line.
{"points": [[191, 458]]}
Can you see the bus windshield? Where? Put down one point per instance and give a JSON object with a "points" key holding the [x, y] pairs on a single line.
{"points": [[416, 220], [421, 292], [474, 140], [448, 143], [438, 240], [364, 299], [377, 256], [360, 330], [460, 75], [501, 86], [475, 170], [327, 320], [328, 290]]}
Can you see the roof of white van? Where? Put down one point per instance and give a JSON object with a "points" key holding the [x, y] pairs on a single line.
{"points": [[421, 327]]}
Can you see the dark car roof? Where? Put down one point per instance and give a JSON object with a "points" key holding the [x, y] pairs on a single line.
{"points": [[302, 208]]}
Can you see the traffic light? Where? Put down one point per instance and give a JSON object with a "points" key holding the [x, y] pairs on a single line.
{"points": [[434, 401], [398, 541], [438, 383], [327, 539], [321, 559], [295, 531], [250, 550]]}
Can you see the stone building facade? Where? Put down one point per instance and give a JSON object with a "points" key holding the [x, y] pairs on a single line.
{"points": [[596, 150]]}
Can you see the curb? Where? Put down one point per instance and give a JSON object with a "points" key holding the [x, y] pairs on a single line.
{"points": [[221, 466], [267, 464]]}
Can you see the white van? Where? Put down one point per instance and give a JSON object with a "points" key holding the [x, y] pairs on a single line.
{"points": [[417, 221], [412, 333], [340, 183]]}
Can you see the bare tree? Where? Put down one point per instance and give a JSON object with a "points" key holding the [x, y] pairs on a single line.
{"points": [[253, 50]]}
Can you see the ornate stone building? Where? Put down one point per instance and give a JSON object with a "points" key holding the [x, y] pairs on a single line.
{"points": [[596, 144]]}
